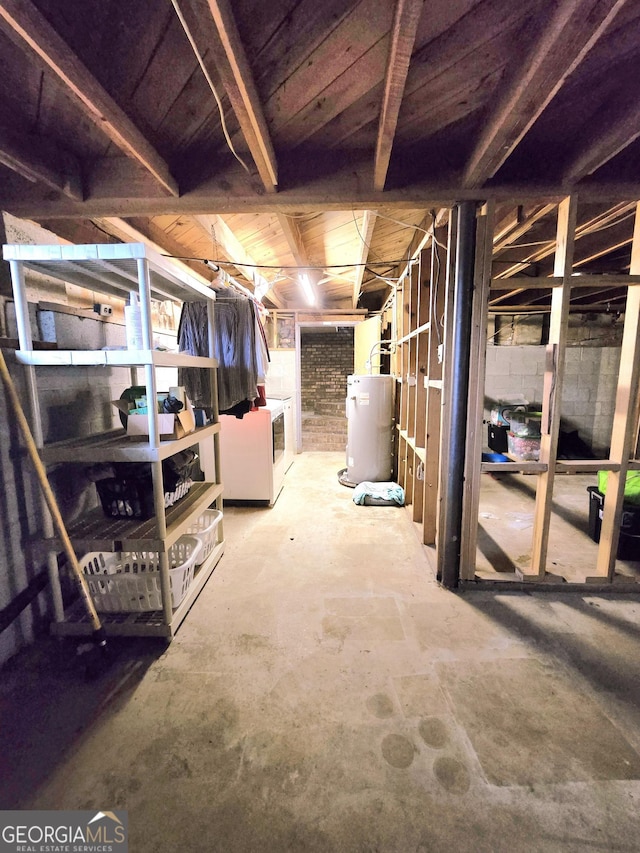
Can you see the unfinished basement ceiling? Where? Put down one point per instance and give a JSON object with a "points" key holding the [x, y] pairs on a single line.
{"points": [[356, 123]]}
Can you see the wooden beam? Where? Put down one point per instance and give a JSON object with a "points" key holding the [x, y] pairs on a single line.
{"points": [[521, 227], [221, 55], [579, 281], [617, 129], [296, 246], [625, 421], [26, 21], [403, 36], [591, 226], [365, 236], [37, 159], [552, 388], [572, 29], [236, 253], [294, 239], [445, 394], [159, 242], [346, 184]]}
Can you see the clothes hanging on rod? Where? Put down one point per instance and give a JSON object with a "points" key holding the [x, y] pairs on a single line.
{"points": [[239, 347]]}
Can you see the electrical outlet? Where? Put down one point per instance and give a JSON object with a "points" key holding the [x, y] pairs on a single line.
{"points": [[440, 353], [103, 310]]}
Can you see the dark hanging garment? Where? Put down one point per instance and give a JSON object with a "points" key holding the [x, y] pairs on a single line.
{"points": [[234, 348], [193, 338]]}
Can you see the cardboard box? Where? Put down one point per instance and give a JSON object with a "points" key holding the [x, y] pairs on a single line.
{"points": [[170, 426]]}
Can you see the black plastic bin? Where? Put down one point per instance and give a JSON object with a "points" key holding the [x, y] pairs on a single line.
{"points": [[497, 437], [629, 542]]}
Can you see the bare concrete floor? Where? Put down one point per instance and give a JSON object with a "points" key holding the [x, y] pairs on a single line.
{"points": [[325, 694], [507, 506]]}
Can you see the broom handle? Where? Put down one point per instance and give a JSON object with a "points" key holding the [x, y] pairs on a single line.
{"points": [[49, 497]]}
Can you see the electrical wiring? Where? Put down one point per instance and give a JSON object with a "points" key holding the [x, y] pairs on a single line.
{"points": [[362, 240], [390, 281], [222, 263], [207, 76], [429, 231]]}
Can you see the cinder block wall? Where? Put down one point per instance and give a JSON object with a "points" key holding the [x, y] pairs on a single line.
{"points": [[326, 360], [74, 402], [588, 394]]}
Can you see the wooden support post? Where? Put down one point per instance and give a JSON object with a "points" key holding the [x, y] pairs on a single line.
{"points": [[552, 389], [422, 354], [437, 298], [624, 421], [413, 351], [447, 379], [477, 371]]}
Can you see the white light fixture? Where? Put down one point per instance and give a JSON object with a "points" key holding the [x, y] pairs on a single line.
{"points": [[307, 289]]}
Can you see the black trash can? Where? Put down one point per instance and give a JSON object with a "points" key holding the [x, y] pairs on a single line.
{"points": [[629, 542]]}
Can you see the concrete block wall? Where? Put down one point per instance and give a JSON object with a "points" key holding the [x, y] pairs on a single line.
{"points": [[19, 520], [589, 390], [74, 402]]}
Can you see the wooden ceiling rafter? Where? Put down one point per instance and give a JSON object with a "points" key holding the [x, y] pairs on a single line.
{"points": [[403, 35], [24, 19], [571, 31], [600, 222], [40, 160], [521, 226], [141, 231], [220, 232], [213, 34], [365, 234], [618, 129]]}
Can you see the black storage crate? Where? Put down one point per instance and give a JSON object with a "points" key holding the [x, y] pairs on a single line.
{"points": [[131, 498], [130, 493], [497, 437], [629, 542]]}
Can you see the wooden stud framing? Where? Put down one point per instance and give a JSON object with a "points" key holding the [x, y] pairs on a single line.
{"points": [[413, 350], [552, 389], [447, 371], [437, 297], [625, 421]]}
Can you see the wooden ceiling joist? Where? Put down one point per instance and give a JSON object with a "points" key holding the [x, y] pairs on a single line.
{"points": [[593, 225], [571, 31], [232, 248], [40, 160], [617, 130], [137, 231], [403, 36], [518, 229], [366, 235], [296, 246], [25, 20], [213, 35]]}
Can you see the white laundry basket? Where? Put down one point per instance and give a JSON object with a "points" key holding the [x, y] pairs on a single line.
{"points": [[129, 581], [205, 529]]}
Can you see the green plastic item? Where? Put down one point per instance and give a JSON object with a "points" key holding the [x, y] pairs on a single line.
{"points": [[631, 488]]}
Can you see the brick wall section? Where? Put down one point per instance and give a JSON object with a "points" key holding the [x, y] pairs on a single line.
{"points": [[588, 394], [326, 360]]}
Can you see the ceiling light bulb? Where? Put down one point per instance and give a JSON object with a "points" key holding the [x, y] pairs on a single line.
{"points": [[307, 289]]}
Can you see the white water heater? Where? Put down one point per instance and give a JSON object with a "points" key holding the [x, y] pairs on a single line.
{"points": [[369, 428]]}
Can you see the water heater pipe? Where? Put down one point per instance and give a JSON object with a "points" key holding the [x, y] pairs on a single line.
{"points": [[380, 344]]}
